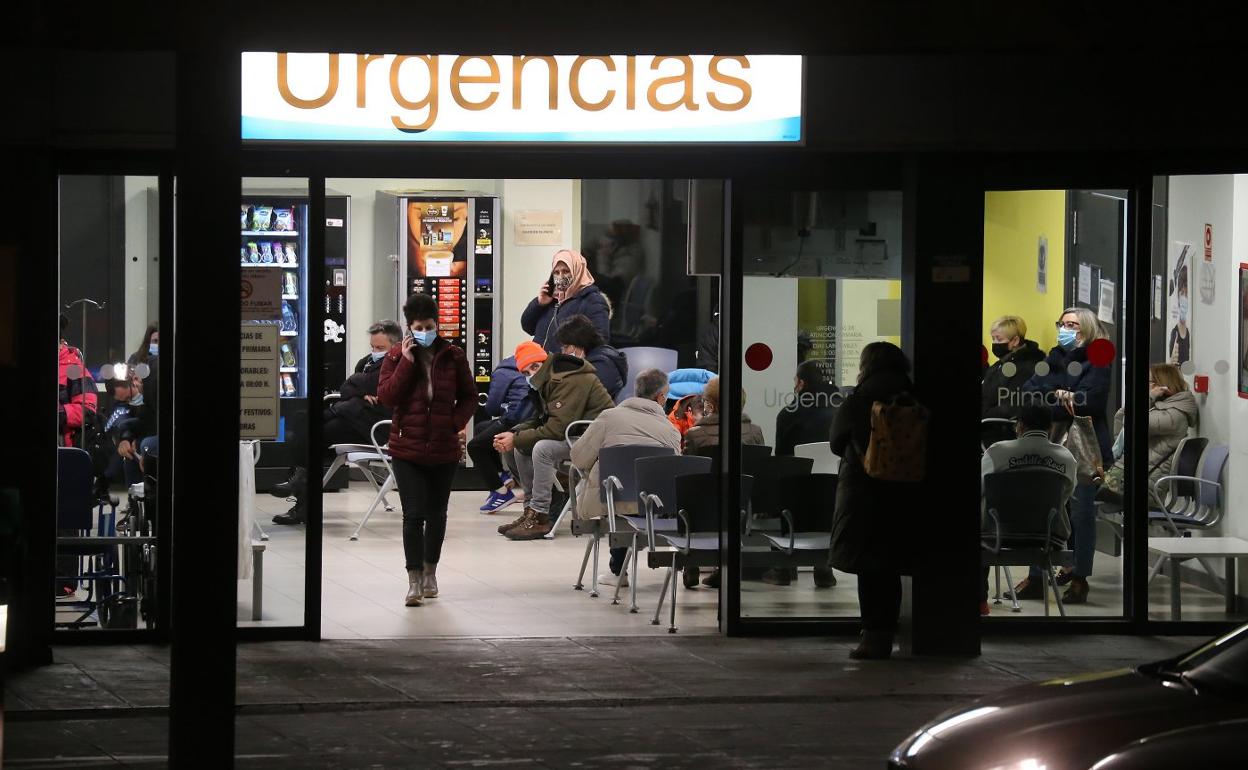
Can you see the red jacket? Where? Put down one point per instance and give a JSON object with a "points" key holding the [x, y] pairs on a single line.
{"points": [[77, 396], [427, 432]]}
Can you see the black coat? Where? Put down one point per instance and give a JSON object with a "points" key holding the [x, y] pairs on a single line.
{"points": [[1090, 386], [808, 420], [872, 517], [611, 366], [1001, 396], [352, 408], [542, 321]]}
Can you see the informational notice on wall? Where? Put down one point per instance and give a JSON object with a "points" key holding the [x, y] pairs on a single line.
{"points": [[257, 381], [261, 289], [1105, 307], [539, 228]]}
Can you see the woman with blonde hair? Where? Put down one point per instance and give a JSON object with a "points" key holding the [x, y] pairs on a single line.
{"points": [[1002, 385], [1071, 386], [1172, 411]]}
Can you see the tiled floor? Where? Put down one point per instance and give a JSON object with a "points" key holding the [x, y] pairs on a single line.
{"points": [[492, 587]]}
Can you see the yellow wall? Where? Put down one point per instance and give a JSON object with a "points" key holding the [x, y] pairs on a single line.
{"points": [[1013, 224]]}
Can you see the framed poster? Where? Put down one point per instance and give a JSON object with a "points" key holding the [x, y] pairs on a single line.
{"points": [[1243, 330]]}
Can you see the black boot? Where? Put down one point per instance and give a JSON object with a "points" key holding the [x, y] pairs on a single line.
{"points": [[296, 515], [875, 645], [293, 486]]}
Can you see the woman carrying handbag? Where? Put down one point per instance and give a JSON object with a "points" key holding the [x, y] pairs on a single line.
{"points": [[1078, 394]]}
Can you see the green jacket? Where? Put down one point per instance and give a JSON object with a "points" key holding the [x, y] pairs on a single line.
{"points": [[567, 390]]}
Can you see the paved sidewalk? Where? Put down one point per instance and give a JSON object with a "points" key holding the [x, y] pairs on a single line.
{"points": [[679, 702]]}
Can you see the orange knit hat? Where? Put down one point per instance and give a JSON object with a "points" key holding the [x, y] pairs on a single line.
{"points": [[527, 353]]}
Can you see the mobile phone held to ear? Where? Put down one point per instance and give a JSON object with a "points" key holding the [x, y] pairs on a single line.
{"points": [[550, 285]]}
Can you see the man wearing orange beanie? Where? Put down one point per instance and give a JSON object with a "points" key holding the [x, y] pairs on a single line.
{"points": [[567, 390]]}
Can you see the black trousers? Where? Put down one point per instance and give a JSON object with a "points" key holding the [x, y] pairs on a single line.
{"points": [[481, 449], [424, 491], [879, 598]]}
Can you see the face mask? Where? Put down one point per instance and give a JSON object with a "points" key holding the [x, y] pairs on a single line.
{"points": [[1185, 306], [529, 380], [153, 349], [377, 355], [1067, 338], [425, 338], [137, 400], [562, 282], [1000, 349]]}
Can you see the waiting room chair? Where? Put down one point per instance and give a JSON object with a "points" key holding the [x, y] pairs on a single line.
{"points": [[642, 358], [806, 517], [576, 485], [1021, 509], [363, 457], [1190, 502], [752, 455], [76, 509], [821, 453], [771, 477], [696, 539], [616, 469], [656, 495], [368, 461]]}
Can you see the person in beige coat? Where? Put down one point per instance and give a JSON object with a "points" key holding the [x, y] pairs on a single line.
{"points": [[637, 421]]}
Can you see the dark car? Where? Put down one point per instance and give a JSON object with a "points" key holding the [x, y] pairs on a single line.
{"points": [[1074, 723]]}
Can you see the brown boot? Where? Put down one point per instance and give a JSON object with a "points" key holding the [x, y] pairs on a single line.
{"points": [[502, 530], [875, 645], [534, 527]]}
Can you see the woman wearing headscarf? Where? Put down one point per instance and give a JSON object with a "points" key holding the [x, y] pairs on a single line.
{"points": [[569, 290]]}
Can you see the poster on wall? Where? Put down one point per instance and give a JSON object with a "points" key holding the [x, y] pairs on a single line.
{"points": [[435, 239], [1105, 308], [1243, 330], [1208, 279], [1042, 266], [1179, 337]]}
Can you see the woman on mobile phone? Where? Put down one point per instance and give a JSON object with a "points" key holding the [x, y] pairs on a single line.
{"points": [[426, 380], [569, 290]]}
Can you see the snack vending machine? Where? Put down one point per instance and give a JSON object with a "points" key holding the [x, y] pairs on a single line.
{"points": [[446, 245]]}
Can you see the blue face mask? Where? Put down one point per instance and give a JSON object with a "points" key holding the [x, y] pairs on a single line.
{"points": [[1067, 338], [153, 349], [377, 355], [425, 338]]}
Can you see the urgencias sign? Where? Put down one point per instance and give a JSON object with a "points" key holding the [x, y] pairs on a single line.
{"points": [[606, 99]]}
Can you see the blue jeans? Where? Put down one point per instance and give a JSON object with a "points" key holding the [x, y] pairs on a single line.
{"points": [[1082, 530]]}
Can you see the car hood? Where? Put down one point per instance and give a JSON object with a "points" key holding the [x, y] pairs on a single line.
{"points": [[1070, 722]]}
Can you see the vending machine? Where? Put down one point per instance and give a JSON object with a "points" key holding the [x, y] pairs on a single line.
{"points": [[446, 244]]}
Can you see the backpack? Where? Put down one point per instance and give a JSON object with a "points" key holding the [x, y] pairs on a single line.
{"points": [[897, 450]]}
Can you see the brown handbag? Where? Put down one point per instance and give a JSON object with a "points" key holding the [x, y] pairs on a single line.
{"points": [[1081, 440], [897, 450]]}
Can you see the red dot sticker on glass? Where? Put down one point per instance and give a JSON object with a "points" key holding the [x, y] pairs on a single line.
{"points": [[1101, 352], [758, 356]]}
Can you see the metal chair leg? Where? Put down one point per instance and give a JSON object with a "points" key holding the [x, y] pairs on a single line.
{"points": [[1052, 585], [381, 493], [580, 578], [624, 570], [1156, 569], [260, 533], [997, 573], [1009, 580], [339, 461], [632, 580], [658, 608], [671, 628], [593, 579]]}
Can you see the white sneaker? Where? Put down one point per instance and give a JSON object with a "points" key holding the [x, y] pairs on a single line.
{"points": [[608, 579]]}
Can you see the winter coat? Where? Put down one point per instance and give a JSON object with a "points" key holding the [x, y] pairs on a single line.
{"points": [[509, 394], [808, 419], [706, 433], [635, 422], [871, 516], [611, 366], [1091, 389], [568, 390], [425, 431], [687, 382], [542, 321], [352, 408], [1000, 394], [1169, 420], [76, 398]]}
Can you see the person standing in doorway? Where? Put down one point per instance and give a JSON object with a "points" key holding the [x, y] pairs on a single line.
{"points": [[427, 382]]}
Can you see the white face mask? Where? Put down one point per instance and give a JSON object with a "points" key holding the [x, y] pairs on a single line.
{"points": [[1185, 307]]}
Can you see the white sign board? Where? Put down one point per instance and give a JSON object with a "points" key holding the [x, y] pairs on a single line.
{"points": [[261, 290], [539, 228], [257, 381], [342, 97]]}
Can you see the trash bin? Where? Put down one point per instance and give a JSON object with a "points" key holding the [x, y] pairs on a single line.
{"points": [[119, 611]]}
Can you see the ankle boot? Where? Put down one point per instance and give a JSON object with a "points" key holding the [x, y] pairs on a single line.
{"points": [[430, 584], [875, 645], [292, 486], [415, 588]]}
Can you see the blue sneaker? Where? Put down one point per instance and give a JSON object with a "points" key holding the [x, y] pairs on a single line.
{"points": [[503, 478], [497, 502]]}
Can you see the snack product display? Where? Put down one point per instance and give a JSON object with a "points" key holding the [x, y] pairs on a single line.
{"points": [[283, 220], [253, 252], [246, 210], [290, 253], [261, 218], [266, 252]]}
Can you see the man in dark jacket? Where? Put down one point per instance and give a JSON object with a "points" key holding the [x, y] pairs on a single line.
{"points": [[1003, 382], [578, 337], [567, 391], [808, 418], [508, 404], [349, 419]]}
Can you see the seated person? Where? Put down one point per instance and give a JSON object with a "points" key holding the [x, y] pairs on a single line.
{"points": [[1032, 451], [705, 435], [637, 421], [76, 394], [808, 419], [578, 337], [508, 404], [348, 420], [685, 387], [125, 424], [567, 391], [1172, 412], [685, 414]]}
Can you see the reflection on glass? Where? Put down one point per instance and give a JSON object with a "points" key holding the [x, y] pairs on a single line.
{"points": [[109, 394], [823, 280]]}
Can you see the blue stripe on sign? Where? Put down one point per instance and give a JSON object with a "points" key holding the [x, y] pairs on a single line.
{"points": [[778, 130]]}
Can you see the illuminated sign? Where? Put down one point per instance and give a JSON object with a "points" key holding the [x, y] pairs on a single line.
{"points": [[303, 97]]}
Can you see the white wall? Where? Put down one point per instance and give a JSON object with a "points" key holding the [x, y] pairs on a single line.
{"points": [[770, 317], [141, 296]]}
